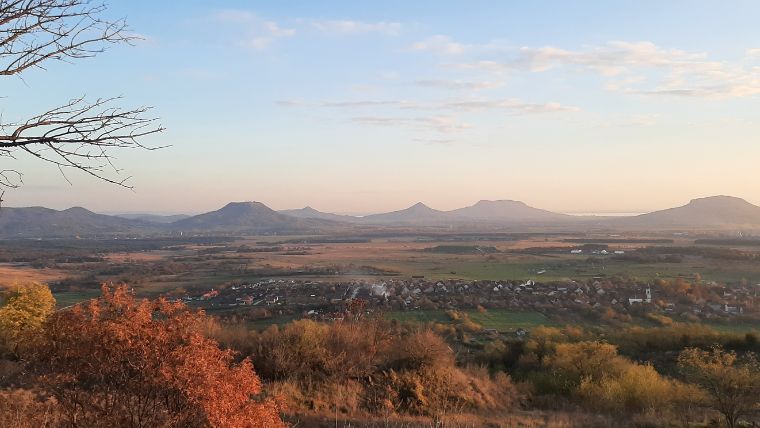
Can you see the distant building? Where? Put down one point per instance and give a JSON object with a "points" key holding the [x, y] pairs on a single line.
{"points": [[733, 309], [647, 299]]}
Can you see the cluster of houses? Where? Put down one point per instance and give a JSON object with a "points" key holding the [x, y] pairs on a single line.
{"points": [[323, 297]]}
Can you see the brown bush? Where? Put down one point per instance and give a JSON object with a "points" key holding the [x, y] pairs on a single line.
{"points": [[419, 350], [368, 367], [309, 351], [22, 408], [123, 362]]}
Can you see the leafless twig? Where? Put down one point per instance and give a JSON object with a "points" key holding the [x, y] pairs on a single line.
{"points": [[79, 134]]}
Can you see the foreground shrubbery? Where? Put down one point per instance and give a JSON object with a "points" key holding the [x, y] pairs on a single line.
{"points": [[117, 361], [372, 367]]}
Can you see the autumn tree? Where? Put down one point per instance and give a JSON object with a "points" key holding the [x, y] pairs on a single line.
{"points": [[572, 363], [26, 308], [79, 134], [733, 383], [119, 361]]}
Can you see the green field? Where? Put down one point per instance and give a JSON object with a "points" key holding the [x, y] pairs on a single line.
{"points": [[500, 319], [68, 298], [735, 328], [567, 267], [263, 324]]}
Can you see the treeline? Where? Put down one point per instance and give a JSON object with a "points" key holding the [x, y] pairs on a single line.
{"points": [[750, 242], [461, 249], [619, 240], [677, 254], [706, 252]]}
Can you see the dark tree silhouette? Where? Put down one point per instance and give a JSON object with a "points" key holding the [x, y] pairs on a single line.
{"points": [[80, 134]]}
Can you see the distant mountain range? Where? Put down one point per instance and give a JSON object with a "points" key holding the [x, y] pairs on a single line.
{"points": [[710, 212], [495, 212], [717, 212]]}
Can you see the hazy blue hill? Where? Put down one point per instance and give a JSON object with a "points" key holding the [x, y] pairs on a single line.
{"points": [[154, 218], [309, 212], [417, 214], [714, 211], [248, 217], [508, 211], [45, 222]]}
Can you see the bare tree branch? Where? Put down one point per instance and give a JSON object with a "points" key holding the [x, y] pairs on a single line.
{"points": [[78, 135], [35, 31], [10, 178]]}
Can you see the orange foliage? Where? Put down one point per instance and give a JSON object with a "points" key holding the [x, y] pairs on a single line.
{"points": [[122, 362]]}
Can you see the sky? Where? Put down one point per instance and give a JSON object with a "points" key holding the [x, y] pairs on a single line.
{"points": [[359, 107]]}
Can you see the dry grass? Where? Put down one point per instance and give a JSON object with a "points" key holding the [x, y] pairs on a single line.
{"points": [[11, 274], [137, 256], [518, 419]]}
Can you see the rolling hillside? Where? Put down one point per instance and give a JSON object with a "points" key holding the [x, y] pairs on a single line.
{"points": [[714, 211], [309, 212], [249, 217], [507, 211], [39, 222], [418, 214]]}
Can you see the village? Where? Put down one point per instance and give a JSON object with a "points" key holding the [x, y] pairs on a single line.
{"points": [[595, 298]]}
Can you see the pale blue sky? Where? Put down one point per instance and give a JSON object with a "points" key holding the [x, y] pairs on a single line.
{"points": [[370, 106]]}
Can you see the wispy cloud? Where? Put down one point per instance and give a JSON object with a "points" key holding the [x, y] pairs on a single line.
{"points": [[443, 124], [457, 84], [440, 124], [610, 59], [444, 45], [514, 105], [364, 103], [436, 141], [348, 26], [258, 33], [753, 53], [631, 121], [670, 72]]}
